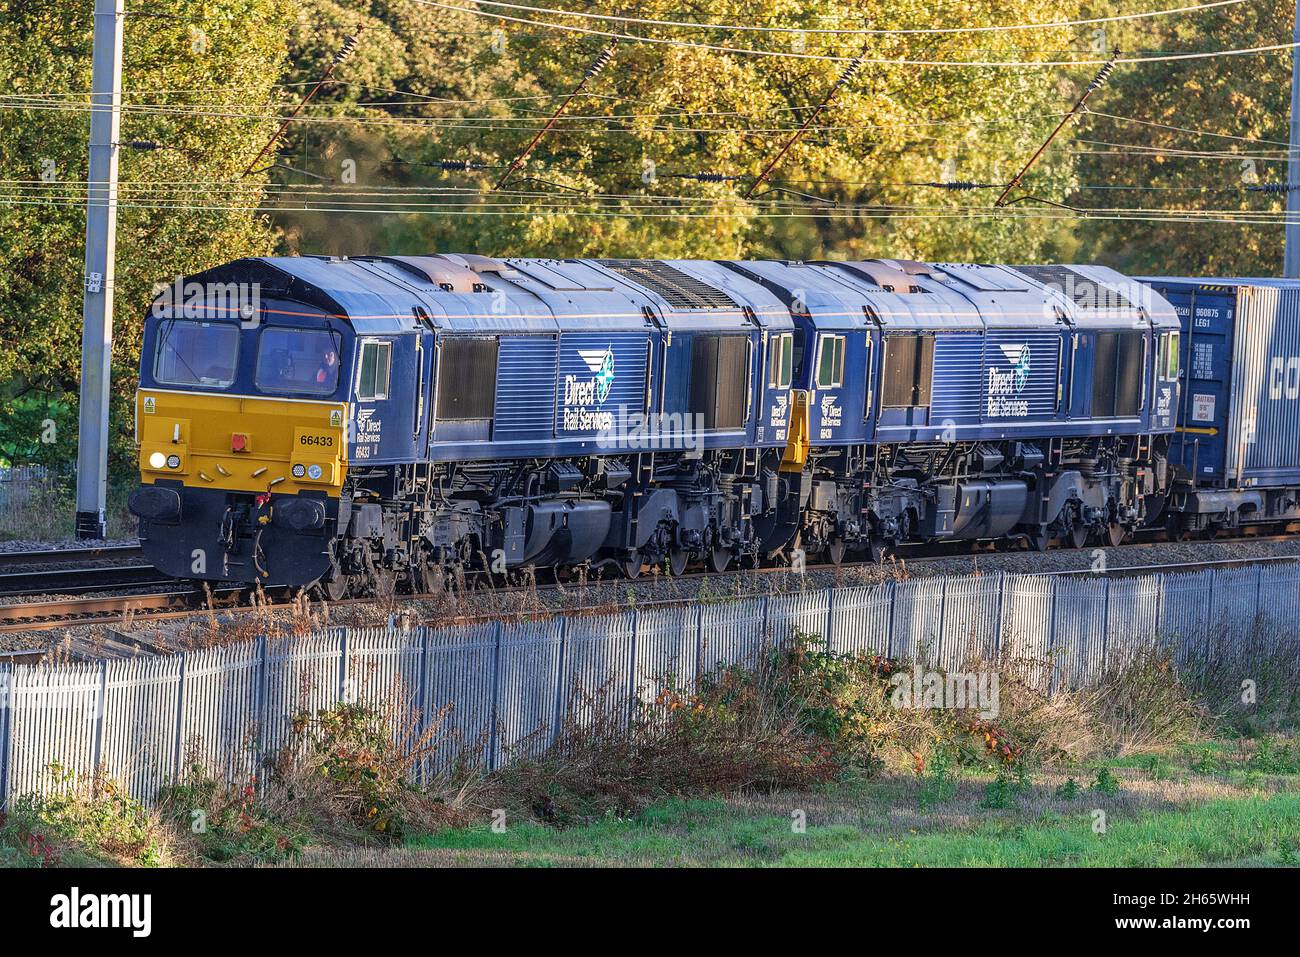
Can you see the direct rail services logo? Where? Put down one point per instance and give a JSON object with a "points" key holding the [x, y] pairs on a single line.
{"points": [[76, 910]]}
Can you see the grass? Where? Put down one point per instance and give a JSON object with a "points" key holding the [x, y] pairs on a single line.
{"points": [[848, 827]]}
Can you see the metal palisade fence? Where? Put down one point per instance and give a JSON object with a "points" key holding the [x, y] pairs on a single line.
{"points": [[499, 687]]}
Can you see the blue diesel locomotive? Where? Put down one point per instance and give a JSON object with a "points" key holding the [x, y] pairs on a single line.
{"points": [[369, 422]]}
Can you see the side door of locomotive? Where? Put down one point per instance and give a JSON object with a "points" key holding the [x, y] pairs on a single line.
{"points": [[383, 377], [776, 379]]}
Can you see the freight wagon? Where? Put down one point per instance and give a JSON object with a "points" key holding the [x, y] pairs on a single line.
{"points": [[1236, 450]]}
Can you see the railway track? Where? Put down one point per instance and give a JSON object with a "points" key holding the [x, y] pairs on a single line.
{"points": [[88, 553], [61, 581], [176, 603]]}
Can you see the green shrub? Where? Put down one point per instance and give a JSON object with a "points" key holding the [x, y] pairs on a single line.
{"points": [[1069, 791], [229, 823], [1105, 782], [83, 822]]}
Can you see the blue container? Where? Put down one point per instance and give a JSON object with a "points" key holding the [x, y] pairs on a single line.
{"points": [[1239, 414]]}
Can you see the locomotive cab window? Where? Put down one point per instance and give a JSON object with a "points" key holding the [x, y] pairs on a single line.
{"points": [[467, 379], [1170, 360], [720, 380], [780, 360], [1117, 374], [830, 363], [372, 377], [196, 353], [298, 360], [907, 370]]}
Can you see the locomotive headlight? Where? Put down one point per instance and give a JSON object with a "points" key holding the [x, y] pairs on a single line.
{"points": [[157, 460], [173, 461], [313, 472], [299, 471]]}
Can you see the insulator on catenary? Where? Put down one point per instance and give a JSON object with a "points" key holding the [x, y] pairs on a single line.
{"points": [[1102, 76], [144, 145], [849, 72], [1272, 188], [349, 47], [960, 185], [703, 177], [458, 164], [601, 61]]}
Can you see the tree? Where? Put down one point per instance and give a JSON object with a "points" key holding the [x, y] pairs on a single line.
{"points": [[189, 72], [1234, 108], [612, 177]]}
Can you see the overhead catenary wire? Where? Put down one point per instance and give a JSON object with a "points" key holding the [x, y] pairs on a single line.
{"points": [[880, 213], [886, 61], [861, 31]]}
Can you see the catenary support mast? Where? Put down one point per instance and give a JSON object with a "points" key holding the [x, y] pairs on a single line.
{"points": [[101, 242]]}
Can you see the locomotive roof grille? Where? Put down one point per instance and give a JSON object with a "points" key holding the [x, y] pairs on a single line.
{"points": [[1084, 291], [677, 288]]}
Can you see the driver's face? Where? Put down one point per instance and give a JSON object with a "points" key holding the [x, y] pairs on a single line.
{"points": [[331, 357]]}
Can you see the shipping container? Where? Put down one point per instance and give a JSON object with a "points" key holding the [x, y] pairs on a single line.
{"points": [[1238, 425]]}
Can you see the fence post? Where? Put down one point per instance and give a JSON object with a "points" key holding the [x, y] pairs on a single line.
{"points": [[997, 621], [943, 625], [1209, 607], [101, 702], [830, 618], [699, 638], [496, 695], [1051, 636], [6, 708], [343, 664], [632, 694], [559, 677], [1105, 627], [892, 588], [422, 715], [1259, 593], [1159, 623], [178, 738], [263, 719]]}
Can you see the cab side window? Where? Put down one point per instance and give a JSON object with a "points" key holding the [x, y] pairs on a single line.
{"points": [[830, 365], [780, 361], [376, 360], [1171, 356], [720, 380]]}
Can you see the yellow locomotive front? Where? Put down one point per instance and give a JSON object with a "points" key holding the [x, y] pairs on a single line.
{"points": [[241, 428]]}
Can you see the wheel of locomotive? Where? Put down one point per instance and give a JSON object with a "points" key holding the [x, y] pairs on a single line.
{"points": [[835, 551], [677, 559], [631, 567], [1077, 536], [1039, 540], [335, 589], [720, 559], [877, 549], [1115, 534]]}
